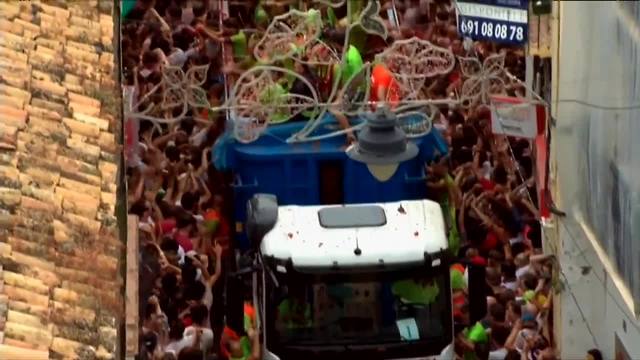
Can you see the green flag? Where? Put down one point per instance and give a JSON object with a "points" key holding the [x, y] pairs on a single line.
{"points": [[126, 6], [353, 63], [415, 293], [478, 334], [457, 280]]}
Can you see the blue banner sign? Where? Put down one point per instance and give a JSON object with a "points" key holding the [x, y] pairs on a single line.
{"points": [[502, 21]]}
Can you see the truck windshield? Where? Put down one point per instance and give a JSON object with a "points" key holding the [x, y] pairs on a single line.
{"points": [[360, 309]]}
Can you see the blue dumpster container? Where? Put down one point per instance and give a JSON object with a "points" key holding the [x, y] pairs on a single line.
{"points": [[315, 173]]}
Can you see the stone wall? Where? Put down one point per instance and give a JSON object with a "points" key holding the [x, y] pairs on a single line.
{"points": [[61, 289]]}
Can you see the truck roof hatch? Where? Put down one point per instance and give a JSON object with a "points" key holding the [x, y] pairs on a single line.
{"points": [[352, 216]]}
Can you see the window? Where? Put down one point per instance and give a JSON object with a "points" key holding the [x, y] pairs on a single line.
{"points": [[352, 216], [365, 308]]}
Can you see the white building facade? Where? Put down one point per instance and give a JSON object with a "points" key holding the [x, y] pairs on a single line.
{"points": [[596, 177]]}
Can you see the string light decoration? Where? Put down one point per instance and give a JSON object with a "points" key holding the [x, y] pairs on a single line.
{"points": [[288, 34], [178, 90], [371, 22], [414, 60], [185, 89], [259, 96], [482, 80], [294, 36], [258, 99]]}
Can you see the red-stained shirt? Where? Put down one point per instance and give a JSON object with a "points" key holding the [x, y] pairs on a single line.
{"points": [[184, 241], [479, 261], [167, 226], [224, 229], [490, 242], [223, 234], [231, 335], [487, 185], [186, 321]]}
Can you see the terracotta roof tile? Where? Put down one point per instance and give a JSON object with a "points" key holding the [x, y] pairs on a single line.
{"points": [[76, 186], [85, 100], [25, 282], [54, 11], [8, 137], [15, 92], [55, 185], [13, 41], [48, 87], [73, 54], [30, 334], [27, 26], [80, 45], [9, 176], [50, 43], [51, 25], [44, 195], [6, 25], [9, 10], [13, 116], [37, 111], [11, 101], [9, 197], [9, 68], [48, 105], [79, 127]]}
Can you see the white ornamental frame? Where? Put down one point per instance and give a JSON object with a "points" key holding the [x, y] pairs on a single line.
{"points": [[179, 90], [296, 36]]}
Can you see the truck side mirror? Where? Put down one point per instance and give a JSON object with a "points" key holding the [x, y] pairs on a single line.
{"points": [[262, 215]]}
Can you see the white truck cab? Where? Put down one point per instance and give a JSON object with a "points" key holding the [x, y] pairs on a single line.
{"points": [[353, 236], [365, 281]]}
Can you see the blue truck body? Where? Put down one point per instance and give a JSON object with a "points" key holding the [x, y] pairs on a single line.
{"points": [[314, 173]]}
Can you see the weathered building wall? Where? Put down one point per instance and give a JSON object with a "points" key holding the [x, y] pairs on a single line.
{"points": [[60, 291], [597, 63]]}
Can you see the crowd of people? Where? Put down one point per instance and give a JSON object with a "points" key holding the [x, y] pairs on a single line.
{"points": [[177, 194], [485, 186]]}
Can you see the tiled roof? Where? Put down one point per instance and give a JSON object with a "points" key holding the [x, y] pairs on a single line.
{"points": [[60, 287]]}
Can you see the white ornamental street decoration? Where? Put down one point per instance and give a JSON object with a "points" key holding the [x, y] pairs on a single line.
{"points": [[260, 96], [287, 35], [178, 90], [482, 79], [414, 60], [182, 89]]}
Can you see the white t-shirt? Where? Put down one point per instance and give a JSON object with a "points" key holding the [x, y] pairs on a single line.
{"points": [[517, 239], [511, 285], [521, 338], [187, 16], [206, 340], [199, 137], [146, 222], [181, 255], [499, 354], [179, 57], [176, 346], [523, 270], [487, 170]]}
